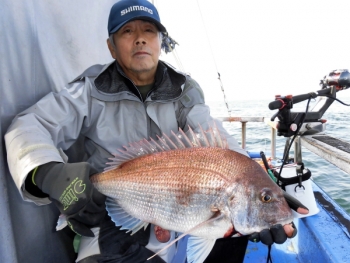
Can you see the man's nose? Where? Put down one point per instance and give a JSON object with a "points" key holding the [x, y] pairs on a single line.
{"points": [[140, 41]]}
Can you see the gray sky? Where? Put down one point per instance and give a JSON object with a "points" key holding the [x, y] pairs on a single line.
{"points": [[261, 48]]}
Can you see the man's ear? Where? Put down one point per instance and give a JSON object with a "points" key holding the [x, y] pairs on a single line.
{"points": [[111, 48]]}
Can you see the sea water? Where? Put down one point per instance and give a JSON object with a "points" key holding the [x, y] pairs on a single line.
{"points": [[334, 181]]}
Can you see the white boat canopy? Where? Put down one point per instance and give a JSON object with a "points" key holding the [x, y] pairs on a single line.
{"points": [[44, 45]]}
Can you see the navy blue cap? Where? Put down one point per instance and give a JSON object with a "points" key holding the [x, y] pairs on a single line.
{"points": [[125, 11]]}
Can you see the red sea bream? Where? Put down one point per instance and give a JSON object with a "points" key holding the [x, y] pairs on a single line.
{"points": [[191, 184]]}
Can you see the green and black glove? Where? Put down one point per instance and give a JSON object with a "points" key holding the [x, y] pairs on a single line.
{"points": [[69, 188]]}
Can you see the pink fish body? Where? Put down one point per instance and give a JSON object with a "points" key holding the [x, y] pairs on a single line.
{"points": [[182, 188], [211, 192]]}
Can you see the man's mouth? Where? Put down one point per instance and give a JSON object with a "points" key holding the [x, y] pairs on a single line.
{"points": [[141, 53]]}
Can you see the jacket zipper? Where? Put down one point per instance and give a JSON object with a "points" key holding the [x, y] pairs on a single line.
{"points": [[148, 121]]}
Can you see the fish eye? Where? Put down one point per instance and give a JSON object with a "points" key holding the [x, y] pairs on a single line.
{"points": [[266, 198]]}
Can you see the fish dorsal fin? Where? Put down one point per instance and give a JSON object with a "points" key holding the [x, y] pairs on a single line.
{"points": [[122, 218], [179, 140], [194, 254]]}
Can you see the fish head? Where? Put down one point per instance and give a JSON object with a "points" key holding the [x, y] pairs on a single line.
{"points": [[257, 202]]}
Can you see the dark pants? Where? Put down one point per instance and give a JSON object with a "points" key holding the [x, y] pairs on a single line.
{"points": [[228, 250]]}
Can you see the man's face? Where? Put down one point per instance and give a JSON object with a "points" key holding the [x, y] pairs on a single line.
{"points": [[138, 47]]}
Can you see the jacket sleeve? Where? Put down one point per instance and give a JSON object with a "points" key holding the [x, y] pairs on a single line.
{"points": [[39, 134], [193, 111]]}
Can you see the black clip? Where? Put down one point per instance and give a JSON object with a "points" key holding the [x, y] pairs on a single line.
{"points": [[299, 170]]}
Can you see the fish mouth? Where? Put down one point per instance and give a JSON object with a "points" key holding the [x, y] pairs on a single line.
{"points": [[284, 221], [237, 234]]}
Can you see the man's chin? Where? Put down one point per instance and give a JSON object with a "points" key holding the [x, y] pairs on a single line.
{"points": [[143, 68]]}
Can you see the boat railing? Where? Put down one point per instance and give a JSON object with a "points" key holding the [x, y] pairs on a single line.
{"points": [[244, 121]]}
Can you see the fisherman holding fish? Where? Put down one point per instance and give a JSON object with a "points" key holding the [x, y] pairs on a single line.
{"points": [[135, 97]]}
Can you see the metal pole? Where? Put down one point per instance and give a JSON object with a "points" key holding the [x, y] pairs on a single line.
{"points": [[286, 148], [273, 143], [244, 132], [297, 150]]}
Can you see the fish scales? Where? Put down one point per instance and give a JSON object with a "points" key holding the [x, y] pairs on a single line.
{"points": [[204, 190], [179, 189]]}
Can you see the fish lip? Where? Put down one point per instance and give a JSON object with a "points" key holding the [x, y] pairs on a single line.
{"points": [[284, 221]]}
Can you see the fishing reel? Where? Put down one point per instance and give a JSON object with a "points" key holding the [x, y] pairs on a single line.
{"points": [[340, 78], [290, 123]]}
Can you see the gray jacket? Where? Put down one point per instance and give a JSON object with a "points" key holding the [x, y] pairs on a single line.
{"points": [[105, 108]]}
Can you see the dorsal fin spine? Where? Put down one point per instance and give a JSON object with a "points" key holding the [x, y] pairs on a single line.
{"points": [[180, 144], [181, 132], [180, 140], [204, 136], [157, 145], [195, 141], [164, 145], [149, 146], [169, 141]]}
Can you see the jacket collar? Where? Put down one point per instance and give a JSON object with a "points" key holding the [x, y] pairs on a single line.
{"points": [[168, 82]]}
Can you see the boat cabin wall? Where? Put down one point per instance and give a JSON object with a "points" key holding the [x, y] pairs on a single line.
{"points": [[44, 45]]}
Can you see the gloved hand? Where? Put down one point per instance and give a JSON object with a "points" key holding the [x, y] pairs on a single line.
{"points": [[295, 204], [277, 233], [69, 188]]}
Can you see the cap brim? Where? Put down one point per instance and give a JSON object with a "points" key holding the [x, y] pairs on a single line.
{"points": [[160, 27]]}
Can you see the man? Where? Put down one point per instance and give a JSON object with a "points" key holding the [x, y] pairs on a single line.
{"points": [[134, 97]]}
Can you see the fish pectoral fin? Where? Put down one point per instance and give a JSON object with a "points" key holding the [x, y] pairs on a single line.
{"points": [[198, 248], [215, 217], [122, 218]]}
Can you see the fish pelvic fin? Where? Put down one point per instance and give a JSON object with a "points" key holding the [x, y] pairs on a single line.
{"points": [[122, 218], [175, 140], [196, 245], [198, 249]]}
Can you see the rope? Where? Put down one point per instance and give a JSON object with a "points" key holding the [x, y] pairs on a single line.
{"points": [[269, 259], [212, 54], [178, 61], [223, 92]]}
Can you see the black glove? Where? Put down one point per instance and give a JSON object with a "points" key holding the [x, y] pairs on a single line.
{"points": [[295, 204], [69, 188], [275, 234]]}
